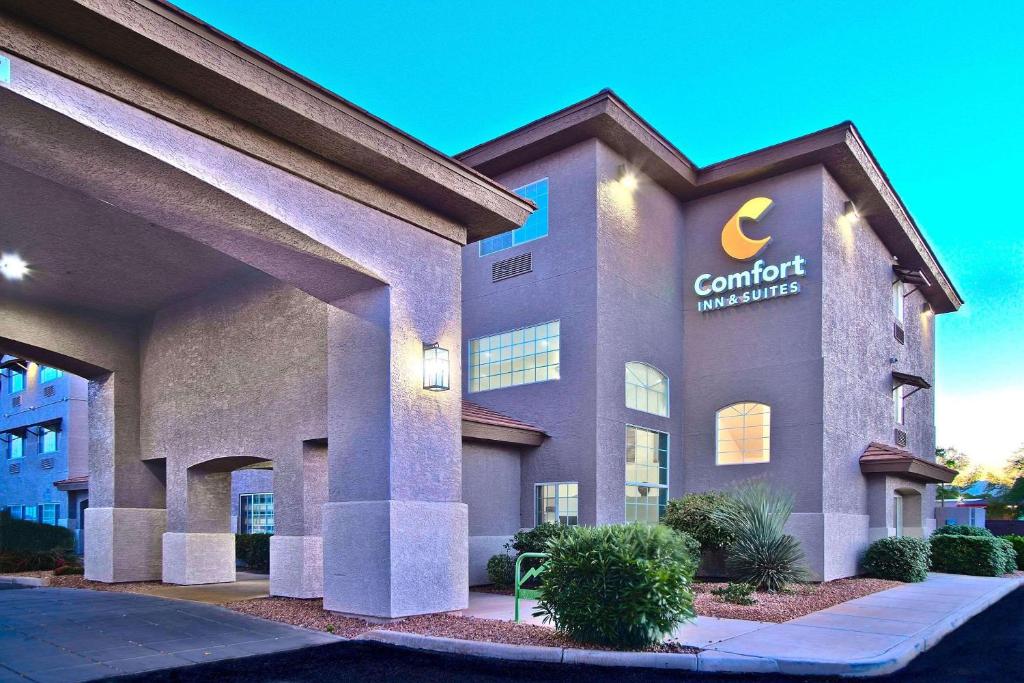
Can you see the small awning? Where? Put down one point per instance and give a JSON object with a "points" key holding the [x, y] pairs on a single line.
{"points": [[13, 363], [902, 378], [53, 424], [73, 483], [911, 276], [882, 459], [484, 424]]}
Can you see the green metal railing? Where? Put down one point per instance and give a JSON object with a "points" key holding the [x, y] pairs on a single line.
{"points": [[527, 593]]}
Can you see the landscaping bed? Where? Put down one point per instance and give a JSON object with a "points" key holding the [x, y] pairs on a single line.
{"points": [[311, 614], [798, 600]]}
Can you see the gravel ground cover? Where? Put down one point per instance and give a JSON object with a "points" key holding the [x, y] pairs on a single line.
{"points": [[311, 614], [37, 574], [779, 607], [79, 581]]}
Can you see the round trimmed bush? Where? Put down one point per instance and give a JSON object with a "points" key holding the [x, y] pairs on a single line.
{"points": [[898, 558], [969, 554], [501, 570], [1009, 555], [696, 514], [535, 540], [1018, 545], [962, 530], [626, 585]]}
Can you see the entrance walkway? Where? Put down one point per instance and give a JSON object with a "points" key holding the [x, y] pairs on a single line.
{"points": [[246, 586], [67, 635]]}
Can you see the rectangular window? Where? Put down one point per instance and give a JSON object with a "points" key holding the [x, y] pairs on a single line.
{"points": [[897, 404], [15, 380], [17, 511], [743, 434], [48, 374], [15, 445], [897, 300], [523, 356], [535, 227], [31, 513], [256, 513], [49, 513], [897, 513], [646, 474], [47, 440], [558, 503]]}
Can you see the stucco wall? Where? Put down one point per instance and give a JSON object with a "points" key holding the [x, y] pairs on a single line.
{"points": [[562, 287], [640, 255], [491, 477]]}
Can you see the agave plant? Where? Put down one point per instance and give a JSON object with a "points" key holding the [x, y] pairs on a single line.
{"points": [[762, 554]]}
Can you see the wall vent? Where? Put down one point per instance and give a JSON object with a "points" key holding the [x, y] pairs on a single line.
{"points": [[511, 267], [48, 392], [16, 402], [14, 467], [901, 438], [897, 331], [46, 463]]}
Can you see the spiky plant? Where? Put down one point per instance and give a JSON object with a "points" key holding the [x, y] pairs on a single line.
{"points": [[762, 554]]}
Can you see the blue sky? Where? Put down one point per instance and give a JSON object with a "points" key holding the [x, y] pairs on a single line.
{"points": [[935, 88]]}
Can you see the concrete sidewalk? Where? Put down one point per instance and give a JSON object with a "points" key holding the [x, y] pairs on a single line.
{"points": [[873, 635]]}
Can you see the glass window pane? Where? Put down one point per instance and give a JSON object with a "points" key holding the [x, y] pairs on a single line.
{"points": [[646, 389], [535, 227], [515, 357], [743, 433]]}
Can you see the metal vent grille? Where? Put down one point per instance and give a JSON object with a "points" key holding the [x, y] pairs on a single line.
{"points": [[901, 438], [46, 463], [511, 267], [14, 467], [16, 402], [48, 392], [897, 331]]}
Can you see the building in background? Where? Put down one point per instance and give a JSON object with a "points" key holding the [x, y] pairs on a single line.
{"points": [[44, 440]]}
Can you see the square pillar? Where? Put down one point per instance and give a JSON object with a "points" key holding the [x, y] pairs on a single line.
{"points": [[395, 528], [199, 546], [123, 544], [296, 548]]}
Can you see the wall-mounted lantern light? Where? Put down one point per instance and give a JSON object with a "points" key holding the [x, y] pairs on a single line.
{"points": [[627, 178], [13, 267], [927, 310], [436, 368], [850, 215]]}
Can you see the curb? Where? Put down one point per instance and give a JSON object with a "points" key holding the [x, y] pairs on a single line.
{"points": [[719, 661], [34, 581]]}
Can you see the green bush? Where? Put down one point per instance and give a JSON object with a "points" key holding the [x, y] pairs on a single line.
{"points": [[974, 555], [898, 558], [695, 514], [1009, 555], [762, 555], [253, 550], [1018, 546], [535, 540], [14, 561], [736, 593], [962, 530], [23, 536], [501, 570], [626, 585], [69, 569]]}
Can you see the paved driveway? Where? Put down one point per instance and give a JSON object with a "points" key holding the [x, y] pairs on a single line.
{"points": [[67, 635]]}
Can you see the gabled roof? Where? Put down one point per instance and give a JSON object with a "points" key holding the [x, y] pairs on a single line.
{"points": [[484, 424], [881, 458], [840, 149]]}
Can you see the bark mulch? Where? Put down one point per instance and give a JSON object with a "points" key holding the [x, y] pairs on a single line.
{"points": [[799, 600], [311, 614]]}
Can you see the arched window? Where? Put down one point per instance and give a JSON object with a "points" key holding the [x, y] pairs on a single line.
{"points": [[743, 434], [646, 389]]}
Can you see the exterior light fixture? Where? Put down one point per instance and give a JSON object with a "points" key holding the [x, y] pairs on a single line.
{"points": [[627, 178], [13, 267], [850, 214], [927, 310], [436, 368]]}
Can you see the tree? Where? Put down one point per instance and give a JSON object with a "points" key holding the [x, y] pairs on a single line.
{"points": [[954, 459], [1016, 465]]}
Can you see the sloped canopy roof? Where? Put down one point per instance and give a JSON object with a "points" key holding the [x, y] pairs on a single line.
{"points": [[884, 459], [483, 424]]}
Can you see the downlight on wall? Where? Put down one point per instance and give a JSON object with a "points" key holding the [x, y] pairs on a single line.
{"points": [[436, 368], [627, 178], [13, 267]]}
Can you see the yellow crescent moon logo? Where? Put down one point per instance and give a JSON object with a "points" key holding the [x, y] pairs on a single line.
{"points": [[737, 244]]}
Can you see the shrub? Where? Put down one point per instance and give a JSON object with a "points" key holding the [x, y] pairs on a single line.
{"points": [[1018, 546], [535, 540], [501, 570], [69, 569], [626, 585], [1009, 555], [695, 514], [29, 561], [19, 535], [762, 554], [963, 554], [736, 593], [962, 530], [898, 558], [253, 550]]}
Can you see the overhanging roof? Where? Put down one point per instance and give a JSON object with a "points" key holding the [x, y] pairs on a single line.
{"points": [[163, 43], [904, 378], [484, 424], [73, 484], [840, 149], [882, 459]]}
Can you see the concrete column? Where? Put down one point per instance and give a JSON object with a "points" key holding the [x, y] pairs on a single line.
{"points": [[202, 550], [395, 529], [296, 548], [126, 516]]}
